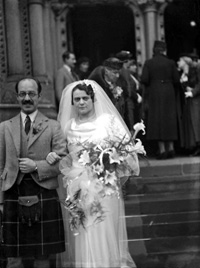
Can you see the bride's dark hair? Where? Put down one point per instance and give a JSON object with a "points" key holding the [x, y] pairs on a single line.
{"points": [[87, 88]]}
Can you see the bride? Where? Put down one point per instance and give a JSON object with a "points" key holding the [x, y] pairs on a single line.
{"points": [[94, 206]]}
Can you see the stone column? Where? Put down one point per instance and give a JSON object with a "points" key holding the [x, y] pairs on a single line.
{"points": [[150, 12], [48, 41], [14, 40], [37, 37], [150, 15]]}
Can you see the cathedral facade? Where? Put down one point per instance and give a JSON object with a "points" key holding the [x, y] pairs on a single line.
{"points": [[35, 33]]}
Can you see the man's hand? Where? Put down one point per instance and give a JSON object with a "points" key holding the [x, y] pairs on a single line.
{"points": [[26, 165], [52, 158]]}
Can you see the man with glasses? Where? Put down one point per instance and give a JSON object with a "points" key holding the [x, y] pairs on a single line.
{"points": [[32, 219]]}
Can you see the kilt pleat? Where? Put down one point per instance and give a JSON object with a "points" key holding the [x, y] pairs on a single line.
{"points": [[42, 238]]}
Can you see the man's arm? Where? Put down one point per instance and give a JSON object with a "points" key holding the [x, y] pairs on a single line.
{"points": [[58, 145]]}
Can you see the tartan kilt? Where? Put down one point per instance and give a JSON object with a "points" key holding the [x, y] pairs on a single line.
{"points": [[45, 236]]}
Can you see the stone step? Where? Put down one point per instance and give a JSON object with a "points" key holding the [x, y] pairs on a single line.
{"points": [[170, 167], [164, 184], [167, 229], [189, 216], [162, 214], [162, 203]]}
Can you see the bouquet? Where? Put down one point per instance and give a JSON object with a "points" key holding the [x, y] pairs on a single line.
{"points": [[106, 163]]}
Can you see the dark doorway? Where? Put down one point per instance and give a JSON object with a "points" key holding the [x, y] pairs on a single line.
{"points": [[102, 30], [182, 27]]}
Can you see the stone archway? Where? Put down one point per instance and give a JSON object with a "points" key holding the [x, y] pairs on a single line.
{"points": [[130, 9], [101, 31]]}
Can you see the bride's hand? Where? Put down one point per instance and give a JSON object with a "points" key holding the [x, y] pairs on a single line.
{"points": [[52, 158]]}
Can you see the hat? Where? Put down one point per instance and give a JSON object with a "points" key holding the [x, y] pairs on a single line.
{"points": [[124, 55], [193, 55], [160, 45], [113, 63]]}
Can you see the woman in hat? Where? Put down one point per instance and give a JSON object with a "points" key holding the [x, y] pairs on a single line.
{"points": [[190, 82]]}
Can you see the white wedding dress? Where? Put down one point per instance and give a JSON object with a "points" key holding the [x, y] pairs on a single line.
{"points": [[97, 244]]}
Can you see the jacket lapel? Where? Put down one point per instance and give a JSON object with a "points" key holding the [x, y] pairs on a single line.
{"points": [[40, 124], [15, 129]]}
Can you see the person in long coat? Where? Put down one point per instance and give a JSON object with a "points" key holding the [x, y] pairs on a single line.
{"points": [[190, 82], [159, 76]]}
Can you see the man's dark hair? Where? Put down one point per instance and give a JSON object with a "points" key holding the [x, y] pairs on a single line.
{"points": [[87, 88], [66, 55], [31, 78]]}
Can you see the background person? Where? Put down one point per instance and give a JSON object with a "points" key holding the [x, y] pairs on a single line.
{"points": [[65, 75], [159, 76], [190, 82], [109, 78], [27, 179], [133, 97], [82, 68]]}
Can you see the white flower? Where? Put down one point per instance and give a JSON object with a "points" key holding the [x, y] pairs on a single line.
{"points": [[117, 92], [109, 191], [84, 158], [110, 178], [139, 148], [114, 156], [137, 127], [98, 168]]}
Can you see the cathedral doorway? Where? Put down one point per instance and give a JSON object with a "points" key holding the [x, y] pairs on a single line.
{"points": [[182, 27], [100, 31]]}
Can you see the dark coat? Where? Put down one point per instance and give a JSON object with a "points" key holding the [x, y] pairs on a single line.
{"points": [[131, 98], [98, 76], [191, 110], [159, 76]]}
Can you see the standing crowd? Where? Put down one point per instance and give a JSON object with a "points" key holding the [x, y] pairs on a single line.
{"points": [[89, 154]]}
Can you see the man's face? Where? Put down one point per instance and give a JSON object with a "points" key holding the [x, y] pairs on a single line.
{"points": [[111, 74], [71, 61], [28, 96]]}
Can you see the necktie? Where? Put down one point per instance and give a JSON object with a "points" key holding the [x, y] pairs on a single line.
{"points": [[27, 124]]}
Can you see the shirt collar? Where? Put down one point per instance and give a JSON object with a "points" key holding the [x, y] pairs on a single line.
{"points": [[32, 116], [67, 67]]}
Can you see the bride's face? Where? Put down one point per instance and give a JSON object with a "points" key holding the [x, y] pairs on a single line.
{"points": [[83, 103]]}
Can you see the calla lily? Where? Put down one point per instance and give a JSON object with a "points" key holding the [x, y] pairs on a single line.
{"points": [[110, 177], [137, 127], [84, 158], [139, 148], [114, 156], [98, 169]]}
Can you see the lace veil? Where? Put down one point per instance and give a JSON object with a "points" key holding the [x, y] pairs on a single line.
{"points": [[102, 104]]}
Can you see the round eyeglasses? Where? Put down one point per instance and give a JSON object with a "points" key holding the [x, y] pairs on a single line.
{"points": [[23, 94]]}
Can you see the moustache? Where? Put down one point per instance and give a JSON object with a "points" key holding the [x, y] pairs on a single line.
{"points": [[27, 102]]}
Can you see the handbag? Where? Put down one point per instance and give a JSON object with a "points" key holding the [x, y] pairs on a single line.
{"points": [[29, 209]]}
